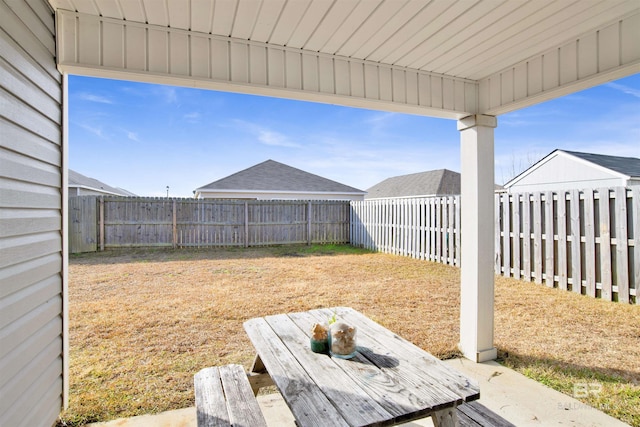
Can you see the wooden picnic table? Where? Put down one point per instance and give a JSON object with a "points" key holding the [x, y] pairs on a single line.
{"points": [[388, 381]]}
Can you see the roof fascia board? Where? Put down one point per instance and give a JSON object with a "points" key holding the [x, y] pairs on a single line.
{"points": [[343, 86], [99, 190]]}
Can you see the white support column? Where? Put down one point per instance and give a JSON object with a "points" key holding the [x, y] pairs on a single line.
{"points": [[477, 239]]}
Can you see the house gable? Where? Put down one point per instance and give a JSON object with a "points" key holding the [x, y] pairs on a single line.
{"points": [[81, 185], [274, 180], [573, 170]]}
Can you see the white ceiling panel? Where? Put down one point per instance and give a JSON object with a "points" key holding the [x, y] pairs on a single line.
{"points": [[132, 11], [157, 12], [427, 25], [443, 47], [201, 13], [466, 39], [405, 22], [308, 24], [333, 20], [179, 14], [223, 16], [292, 14], [245, 18], [267, 20], [110, 8], [564, 25], [350, 25]]}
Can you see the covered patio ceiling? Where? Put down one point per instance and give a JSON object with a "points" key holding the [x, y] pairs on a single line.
{"points": [[442, 58], [468, 60]]}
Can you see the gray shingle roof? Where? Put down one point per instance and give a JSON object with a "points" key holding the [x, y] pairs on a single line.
{"points": [[274, 176], [432, 183], [624, 165], [78, 180]]}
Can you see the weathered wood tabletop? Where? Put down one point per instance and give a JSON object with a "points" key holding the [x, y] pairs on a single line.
{"points": [[389, 380]]}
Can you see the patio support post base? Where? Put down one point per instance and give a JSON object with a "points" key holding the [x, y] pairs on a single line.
{"points": [[477, 237]]}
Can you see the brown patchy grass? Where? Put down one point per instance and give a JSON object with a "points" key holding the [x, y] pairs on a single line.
{"points": [[143, 322]]}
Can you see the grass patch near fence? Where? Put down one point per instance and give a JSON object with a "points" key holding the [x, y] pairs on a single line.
{"points": [[143, 322]]}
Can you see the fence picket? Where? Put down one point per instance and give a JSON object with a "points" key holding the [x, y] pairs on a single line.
{"points": [[590, 241], [606, 292], [537, 236], [498, 233], [457, 230], [622, 248], [517, 236], [635, 206], [549, 239], [526, 236], [576, 244], [452, 230], [506, 235], [562, 240]]}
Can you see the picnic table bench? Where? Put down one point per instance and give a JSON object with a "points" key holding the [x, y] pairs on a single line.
{"points": [[224, 398], [388, 381]]}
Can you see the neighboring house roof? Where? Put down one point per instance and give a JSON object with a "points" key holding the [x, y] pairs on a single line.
{"points": [[271, 176], [432, 183], [624, 167], [629, 166], [77, 180]]}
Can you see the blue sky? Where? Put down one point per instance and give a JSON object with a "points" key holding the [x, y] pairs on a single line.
{"points": [[145, 137]]}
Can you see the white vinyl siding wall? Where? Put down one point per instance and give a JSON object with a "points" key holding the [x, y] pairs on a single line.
{"points": [[31, 261]]}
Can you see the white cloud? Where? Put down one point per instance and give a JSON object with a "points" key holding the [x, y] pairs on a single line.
{"points": [[85, 96], [266, 136], [91, 129], [133, 136], [168, 94], [624, 89], [192, 117]]}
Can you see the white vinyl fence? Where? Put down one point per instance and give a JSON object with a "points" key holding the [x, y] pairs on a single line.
{"points": [[424, 228], [582, 241]]}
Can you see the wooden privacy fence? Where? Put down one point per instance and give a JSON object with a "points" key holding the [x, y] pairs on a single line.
{"points": [[160, 222], [583, 241]]}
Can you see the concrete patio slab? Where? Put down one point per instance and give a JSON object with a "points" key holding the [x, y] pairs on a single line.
{"points": [[513, 396]]}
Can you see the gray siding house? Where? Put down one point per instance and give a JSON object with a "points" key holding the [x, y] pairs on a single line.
{"points": [[81, 185], [569, 170], [441, 182], [271, 180]]}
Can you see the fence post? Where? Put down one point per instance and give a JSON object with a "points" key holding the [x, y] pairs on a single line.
{"points": [[635, 194], [309, 223], [549, 243], [101, 223], [622, 248], [175, 226], [246, 224]]}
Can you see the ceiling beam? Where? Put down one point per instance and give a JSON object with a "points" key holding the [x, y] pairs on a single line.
{"points": [[112, 48]]}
